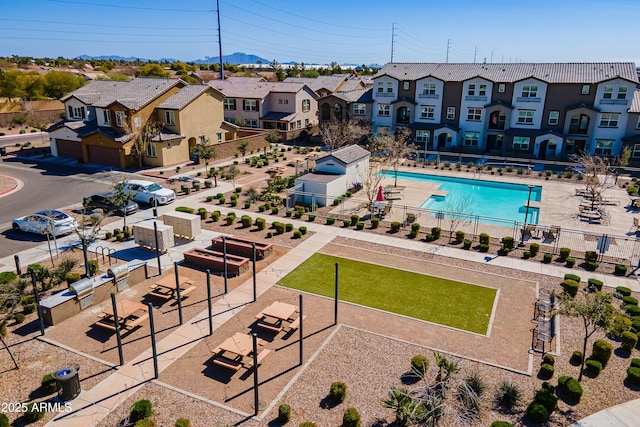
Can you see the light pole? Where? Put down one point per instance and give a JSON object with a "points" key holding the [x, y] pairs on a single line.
{"points": [[526, 216]]}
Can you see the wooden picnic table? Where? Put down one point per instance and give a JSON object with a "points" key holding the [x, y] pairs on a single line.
{"points": [[130, 315], [272, 317], [165, 287], [231, 353]]}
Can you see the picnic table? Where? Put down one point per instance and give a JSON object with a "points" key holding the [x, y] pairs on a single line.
{"points": [[130, 315], [165, 288], [275, 316], [231, 353]]}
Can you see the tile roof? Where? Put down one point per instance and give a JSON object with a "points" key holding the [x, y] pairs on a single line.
{"points": [[351, 84], [360, 95], [572, 72], [133, 94], [330, 83], [253, 88], [635, 103], [349, 154], [319, 177], [187, 94], [279, 116]]}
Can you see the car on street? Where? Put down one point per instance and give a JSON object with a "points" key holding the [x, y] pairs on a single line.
{"points": [[105, 202], [51, 222], [149, 192]]}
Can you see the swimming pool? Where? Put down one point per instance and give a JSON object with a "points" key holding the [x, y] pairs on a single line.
{"points": [[501, 200]]}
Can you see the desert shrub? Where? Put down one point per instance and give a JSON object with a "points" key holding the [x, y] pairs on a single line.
{"points": [[311, 217], [466, 244], [547, 398], [590, 256], [547, 258], [459, 236], [246, 220], [351, 418], [415, 227], [508, 395], [623, 291], [182, 422], [395, 226], [221, 200], [436, 232], [594, 285], [288, 227], [526, 254], [307, 424], [93, 266], [33, 412], [576, 358], [274, 211], [279, 227], [507, 242], [484, 247], [484, 239], [297, 234], [140, 410], [633, 375], [18, 318], [537, 413], [564, 253], [284, 413], [337, 392], [534, 248], [593, 367], [571, 276], [501, 424], [354, 219], [8, 276], [375, 223], [146, 422], [331, 221], [210, 198], [346, 222], [4, 420], [230, 219], [215, 216], [549, 359], [303, 230], [629, 300], [571, 262], [297, 214], [620, 270], [262, 208], [360, 225], [628, 340], [591, 265], [620, 324], [48, 385], [571, 388], [184, 209], [546, 371], [261, 223], [29, 308], [571, 287], [419, 365], [635, 363], [601, 351], [203, 213], [71, 278]]}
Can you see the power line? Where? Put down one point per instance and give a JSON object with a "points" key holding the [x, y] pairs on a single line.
{"points": [[58, 23], [119, 6]]}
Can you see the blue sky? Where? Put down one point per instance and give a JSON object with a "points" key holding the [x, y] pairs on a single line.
{"points": [[323, 31]]}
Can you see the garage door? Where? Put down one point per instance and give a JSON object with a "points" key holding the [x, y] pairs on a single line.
{"points": [[104, 156], [72, 149]]}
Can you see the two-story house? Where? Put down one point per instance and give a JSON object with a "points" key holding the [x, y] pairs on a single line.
{"points": [[534, 110], [345, 106], [327, 85]]}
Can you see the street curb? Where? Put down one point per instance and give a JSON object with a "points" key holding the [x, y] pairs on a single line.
{"points": [[15, 185]]}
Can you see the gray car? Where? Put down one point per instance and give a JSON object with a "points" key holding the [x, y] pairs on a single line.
{"points": [[52, 222]]}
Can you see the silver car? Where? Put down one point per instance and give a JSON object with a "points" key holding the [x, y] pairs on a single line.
{"points": [[52, 222]]}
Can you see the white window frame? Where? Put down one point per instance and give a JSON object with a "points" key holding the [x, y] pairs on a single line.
{"points": [[229, 103], [608, 92], [106, 117], [380, 87], [604, 147], [306, 122], [471, 91], [635, 154], [306, 105], [529, 91], [521, 143], [169, 117], [451, 113], [405, 85], [389, 87], [586, 89], [428, 88], [251, 105], [482, 91], [251, 123], [422, 136], [525, 117], [471, 139], [474, 114], [219, 136], [428, 112], [121, 118], [501, 88], [384, 110], [609, 120], [359, 109], [554, 118], [622, 92], [151, 149]]}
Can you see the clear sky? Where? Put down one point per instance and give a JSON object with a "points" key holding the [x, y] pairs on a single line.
{"points": [[322, 31]]}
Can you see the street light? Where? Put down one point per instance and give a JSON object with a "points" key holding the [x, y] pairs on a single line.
{"points": [[526, 216]]}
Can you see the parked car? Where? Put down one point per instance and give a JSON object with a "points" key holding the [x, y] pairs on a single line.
{"points": [[104, 201], [53, 222], [148, 192]]}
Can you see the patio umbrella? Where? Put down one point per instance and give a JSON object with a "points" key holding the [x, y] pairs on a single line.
{"points": [[380, 196]]}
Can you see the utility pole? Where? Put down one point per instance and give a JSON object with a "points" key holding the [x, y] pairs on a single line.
{"points": [[220, 42], [448, 49], [393, 38], [491, 57], [475, 53]]}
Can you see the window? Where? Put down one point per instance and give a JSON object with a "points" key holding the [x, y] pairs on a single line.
{"points": [[622, 92], [608, 92], [405, 85], [525, 117], [553, 117], [636, 151], [306, 105], [427, 112], [638, 123], [76, 112], [521, 142], [251, 123], [203, 139], [429, 89], [529, 91], [283, 101], [169, 118], [586, 89], [251, 105], [306, 122], [137, 122], [229, 104], [389, 87], [422, 136], [482, 91], [579, 124], [299, 124], [471, 138], [451, 113], [497, 120], [474, 114], [359, 109], [384, 110], [380, 87], [501, 88], [151, 149], [472, 90], [106, 117], [219, 136], [609, 120], [603, 147], [120, 118]]}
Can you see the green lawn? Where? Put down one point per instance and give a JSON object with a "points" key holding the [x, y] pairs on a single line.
{"points": [[447, 302]]}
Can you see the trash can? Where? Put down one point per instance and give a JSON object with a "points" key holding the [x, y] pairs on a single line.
{"points": [[68, 382], [3, 151], [196, 159]]}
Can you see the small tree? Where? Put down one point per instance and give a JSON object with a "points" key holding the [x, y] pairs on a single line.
{"points": [[273, 137], [205, 150], [371, 180], [243, 147], [232, 172], [595, 170], [121, 198], [336, 134], [397, 147], [459, 210], [142, 137], [87, 231], [594, 309]]}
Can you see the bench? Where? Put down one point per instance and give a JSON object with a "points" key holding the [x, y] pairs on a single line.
{"points": [[242, 247], [296, 323], [106, 324], [227, 363], [269, 326], [261, 356], [160, 295], [136, 322]]}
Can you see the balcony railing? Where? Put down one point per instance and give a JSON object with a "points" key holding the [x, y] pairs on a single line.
{"points": [[475, 98], [613, 101], [527, 99], [428, 96], [384, 94]]}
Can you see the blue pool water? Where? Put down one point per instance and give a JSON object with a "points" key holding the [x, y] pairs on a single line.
{"points": [[489, 199]]}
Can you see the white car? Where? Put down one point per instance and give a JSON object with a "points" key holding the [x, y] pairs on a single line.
{"points": [[52, 222], [148, 192]]}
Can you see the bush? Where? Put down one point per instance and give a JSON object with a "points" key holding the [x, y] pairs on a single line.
{"points": [[203, 213], [331, 221], [303, 230], [564, 253], [274, 211], [375, 223], [33, 412], [210, 198], [466, 244], [221, 200], [571, 276], [436, 232], [484, 247], [279, 227], [93, 266], [8, 276], [501, 424], [354, 219], [261, 223], [508, 395], [215, 216], [140, 410], [419, 365], [591, 266], [71, 278], [395, 226], [184, 209], [632, 310], [484, 239], [534, 248], [288, 227], [459, 236], [182, 422], [628, 340], [246, 220], [571, 287], [623, 291], [4, 420], [147, 422], [507, 242], [546, 397], [549, 359], [526, 254], [571, 388], [629, 300], [590, 256], [48, 385], [338, 392], [230, 219], [351, 418], [297, 234], [547, 258], [346, 222], [297, 214], [18, 318], [29, 308], [620, 270], [415, 227], [284, 413], [546, 371], [308, 424], [592, 367], [537, 413], [633, 375], [571, 262], [620, 324], [602, 350], [635, 363], [576, 358], [594, 285]]}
